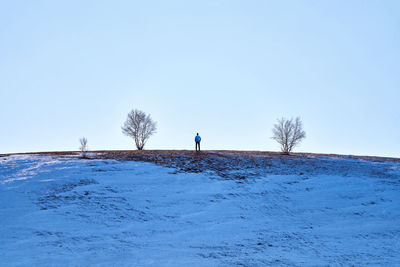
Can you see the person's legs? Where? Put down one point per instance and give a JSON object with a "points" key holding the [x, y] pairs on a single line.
{"points": [[197, 145]]}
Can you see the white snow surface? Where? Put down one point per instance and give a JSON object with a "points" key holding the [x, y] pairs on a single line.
{"points": [[67, 211]]}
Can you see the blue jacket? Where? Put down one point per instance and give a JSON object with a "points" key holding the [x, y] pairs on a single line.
{"points": [[197, 139]]}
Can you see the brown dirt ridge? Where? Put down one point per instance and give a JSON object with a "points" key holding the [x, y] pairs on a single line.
{"points": [[149, 154], [241, 165]]}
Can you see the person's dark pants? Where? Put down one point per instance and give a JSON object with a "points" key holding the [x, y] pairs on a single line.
{"points": [[198, 144]]}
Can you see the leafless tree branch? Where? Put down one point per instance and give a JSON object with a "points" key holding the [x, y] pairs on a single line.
{"points": [[140, 127], [83, 148], [288, 133]]}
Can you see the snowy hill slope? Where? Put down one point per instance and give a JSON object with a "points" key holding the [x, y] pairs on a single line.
{"points": [[215, 209]]}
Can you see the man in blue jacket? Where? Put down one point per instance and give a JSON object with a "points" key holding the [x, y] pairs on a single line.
{"points": [[197, 139]]}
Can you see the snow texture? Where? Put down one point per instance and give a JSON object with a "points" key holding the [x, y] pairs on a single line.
{"points": [[322, 211]]}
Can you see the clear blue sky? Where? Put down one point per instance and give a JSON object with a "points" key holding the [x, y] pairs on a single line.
{"points": [[226, 69]]}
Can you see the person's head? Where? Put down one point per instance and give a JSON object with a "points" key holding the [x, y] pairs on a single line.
{"points": [[197, 133]]}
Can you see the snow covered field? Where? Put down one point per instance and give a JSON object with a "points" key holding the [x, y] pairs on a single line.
{"points": [[265, 211]]}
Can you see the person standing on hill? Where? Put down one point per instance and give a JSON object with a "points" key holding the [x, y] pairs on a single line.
{"points": [[197, 139]]}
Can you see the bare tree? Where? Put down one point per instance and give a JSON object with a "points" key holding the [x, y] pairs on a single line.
{"points": [[140, 127], [83, 148], [288, 133]]}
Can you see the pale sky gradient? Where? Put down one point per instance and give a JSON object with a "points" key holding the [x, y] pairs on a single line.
{"points": [[226, 69]]}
